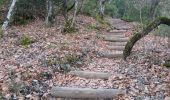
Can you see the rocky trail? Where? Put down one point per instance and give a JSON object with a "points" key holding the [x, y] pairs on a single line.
{"points": [[100, 74]]}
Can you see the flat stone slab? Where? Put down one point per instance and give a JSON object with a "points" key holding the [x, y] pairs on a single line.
{"points": [[86, 93], [117, 43], [118, 31], [113, 35], [116, 47], [113, 54], [114, 39], [90, 74]]}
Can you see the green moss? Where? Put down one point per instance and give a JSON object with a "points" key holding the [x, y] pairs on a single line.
{"points": [[26, 40], [70, 58], [92, 27], [1, 33], [103, 23]]}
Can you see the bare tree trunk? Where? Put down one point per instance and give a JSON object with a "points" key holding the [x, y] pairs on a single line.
{"points": [[75, 12], [145, 31], [50, 13], [9, 15], [154, 4], [169, 41], [101, 8]]}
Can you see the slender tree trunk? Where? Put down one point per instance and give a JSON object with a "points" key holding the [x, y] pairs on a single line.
{"points": [[154, 4], [65, 10], [50, 13], [169, 41], [144, 32], [101, 8], [75, 12], [9, 15]]}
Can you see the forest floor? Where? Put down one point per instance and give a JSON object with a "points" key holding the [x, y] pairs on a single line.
{"points": [[30, 71]]}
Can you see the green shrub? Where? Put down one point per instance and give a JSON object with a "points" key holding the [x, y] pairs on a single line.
{"points": [[1, 33], [71, 58], [92, 27], [26, 40], [68, 28], [89, 8]]}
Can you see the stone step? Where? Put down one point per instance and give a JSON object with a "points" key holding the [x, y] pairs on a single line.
{"points": [[114, 39], [118, 31], [85, 93], [116, 47], [109, 54], [117, 43], [90, 74], [114, 35]]}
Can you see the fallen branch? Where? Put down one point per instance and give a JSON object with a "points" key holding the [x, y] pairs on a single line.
{"points": [[66, 92], [144, 32]]}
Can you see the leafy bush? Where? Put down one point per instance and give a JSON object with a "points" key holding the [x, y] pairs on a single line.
{"points": [[26, 40], [89, 8], [92, 27], [71, 58]]}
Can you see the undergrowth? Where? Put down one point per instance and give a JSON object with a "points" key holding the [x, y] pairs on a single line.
{"points": [[1, 33], [26, 40]]}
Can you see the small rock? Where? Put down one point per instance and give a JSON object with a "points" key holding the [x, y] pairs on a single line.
{"points": [[14, 97], [29, 96], [7, 96], [147, 98], [167, 98], [47, 75]]}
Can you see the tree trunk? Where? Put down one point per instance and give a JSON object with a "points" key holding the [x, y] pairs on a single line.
{"points": [[9, 15], [50, 13], [154, 4], [169, 40], [145, 31], [101, 8], [75, 12]]}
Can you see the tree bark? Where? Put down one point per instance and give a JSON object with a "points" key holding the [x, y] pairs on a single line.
{"points": [[154, 4], [101, 8], [9, 15], [144, 32], [169, 40], [88, 93], [50, 13], [75, 12]]}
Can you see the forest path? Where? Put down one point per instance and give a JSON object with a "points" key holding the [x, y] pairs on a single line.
{"points": [[115, 41]]}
